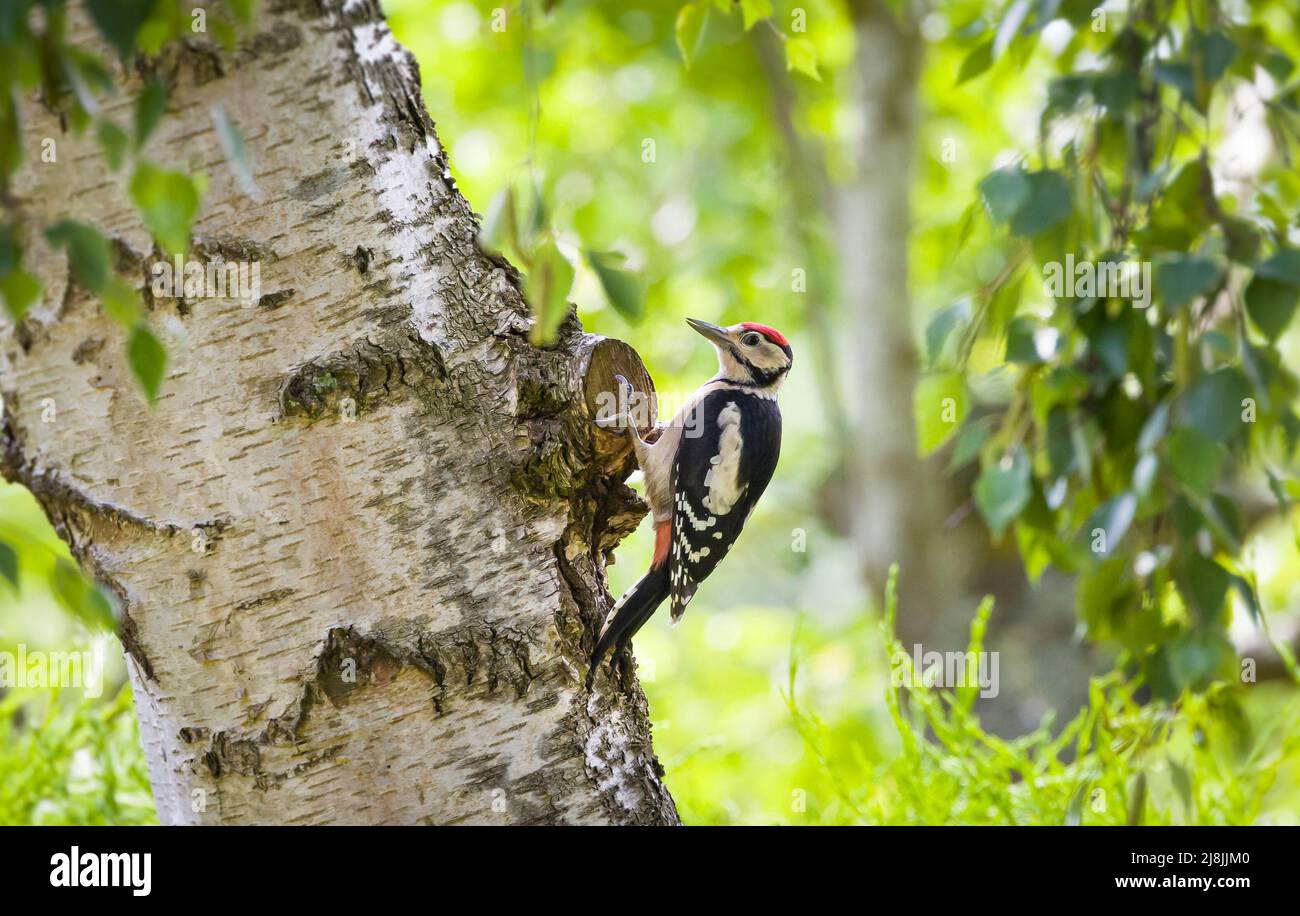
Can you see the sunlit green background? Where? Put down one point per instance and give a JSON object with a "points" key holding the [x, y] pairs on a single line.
{"points": [[769, 699]]}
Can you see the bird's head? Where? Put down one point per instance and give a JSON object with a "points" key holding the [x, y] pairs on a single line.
{"points": [[749, 354]]}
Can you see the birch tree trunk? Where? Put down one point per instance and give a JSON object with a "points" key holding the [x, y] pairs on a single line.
{"points": [[359, 543], [898, 500]]}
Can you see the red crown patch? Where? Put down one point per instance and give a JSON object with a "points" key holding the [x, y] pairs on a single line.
{"points": [[771, 334]]}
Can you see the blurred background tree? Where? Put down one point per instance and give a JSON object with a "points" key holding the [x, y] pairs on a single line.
{"points": [[891, 184]]}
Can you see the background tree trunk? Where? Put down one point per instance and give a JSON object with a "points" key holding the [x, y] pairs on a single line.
{"points": [[359, 542], [854, 233], [899, 501]]}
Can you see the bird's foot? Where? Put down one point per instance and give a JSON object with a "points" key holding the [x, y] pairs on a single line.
{"points": [[620, 420]]}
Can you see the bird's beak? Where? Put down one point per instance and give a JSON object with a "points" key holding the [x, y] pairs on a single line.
{"points": [[714, 333]]}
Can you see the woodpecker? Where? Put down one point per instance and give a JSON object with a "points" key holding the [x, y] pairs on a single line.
{"points": [[704, 473]]}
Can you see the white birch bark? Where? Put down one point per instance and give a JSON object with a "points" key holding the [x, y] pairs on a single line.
{"points": [[333, 620]]}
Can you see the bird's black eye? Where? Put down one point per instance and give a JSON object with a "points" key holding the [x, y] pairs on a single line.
{"points": [[751, 339]]}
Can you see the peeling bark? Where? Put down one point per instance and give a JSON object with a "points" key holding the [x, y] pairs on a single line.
{"points": [[359, 543]]}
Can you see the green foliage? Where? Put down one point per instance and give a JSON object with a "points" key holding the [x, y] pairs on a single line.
{"points": [[34, 561], [87, 252], [622, 288], [72, 762], [1002, 491], [168, 202], [853, 736], [150, 105], [65, 757], [940, 404], [1146, 375], [801, 56], [232, 145], [148, 360], [1119, 761], [692, 21]]}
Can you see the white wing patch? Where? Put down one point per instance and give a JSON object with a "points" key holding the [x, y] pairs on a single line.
{"points": [[723, 478], [684, 506]]}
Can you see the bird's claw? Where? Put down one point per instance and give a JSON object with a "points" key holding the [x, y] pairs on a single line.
{"points": [[619, 420]]}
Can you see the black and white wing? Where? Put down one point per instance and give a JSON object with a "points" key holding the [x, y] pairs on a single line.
{"points": [[728, 452]]}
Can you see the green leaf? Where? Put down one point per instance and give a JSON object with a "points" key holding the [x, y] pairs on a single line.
{"points": [[1029, 342], [1194, 459], [88, 251], [940, 404], [113, 140], [547, 284], [692, 20], [1144, 474], [1114, 92], [1211, 53], [965, 227], [976, 62], [1153, 430], [168, 201], [1284, 267], [1249, 597], [1182, 278], [1002, 491], [245, 11], [539, 216], [1063, 456], [1213, 404], [1190, 660], [1009, 27], [1049, 203], [11, 252], [148, 360], [1273, 293], [1106, 595], [1182, 783], [1279, 66], [801, 56], [1111, 344], [1179, 214], [120, 302], [499, 225], [1005, 192], [623, 289], [232, 144], [1271, 305], [120, 20], [941, 328], [970, 441], [1179, 76], [20, 290], [1113, 517], [1205, 585], [9, 563], [80, 597], [150, 105], [755, 11]]}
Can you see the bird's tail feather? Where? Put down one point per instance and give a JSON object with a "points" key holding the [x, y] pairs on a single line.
{"points": [[631, 612]]}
